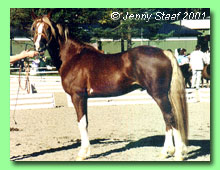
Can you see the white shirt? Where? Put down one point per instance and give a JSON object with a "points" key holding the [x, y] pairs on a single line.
{"points": [[196, 60], [207, 58]]}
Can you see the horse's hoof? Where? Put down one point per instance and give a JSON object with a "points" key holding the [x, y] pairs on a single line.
{"points": [[178, 158], [83, 154], [171, 151], [163, 156], [80, 158]]}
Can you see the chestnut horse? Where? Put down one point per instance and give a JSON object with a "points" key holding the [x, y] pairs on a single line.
{"points": [[86, 72]]}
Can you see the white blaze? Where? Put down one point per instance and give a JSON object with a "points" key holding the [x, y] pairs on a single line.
{"points": [[40, 30]]}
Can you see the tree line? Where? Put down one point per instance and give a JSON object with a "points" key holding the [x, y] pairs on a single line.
{"points": [[91, 24]]}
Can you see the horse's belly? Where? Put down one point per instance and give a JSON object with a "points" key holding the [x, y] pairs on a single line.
{"points": [[109, 87], [103, 89]]}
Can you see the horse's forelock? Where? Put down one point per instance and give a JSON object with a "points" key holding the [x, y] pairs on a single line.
{"points": [[60, 29], [33, 25], [48, 22]]}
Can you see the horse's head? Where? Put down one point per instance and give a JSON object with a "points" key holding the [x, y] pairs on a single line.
{"points": [[43, 31]]}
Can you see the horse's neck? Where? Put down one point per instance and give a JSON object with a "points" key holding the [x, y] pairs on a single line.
{"points": [[62, 50], [69, 49], [54, 51], [75, 45], [59, 50]]}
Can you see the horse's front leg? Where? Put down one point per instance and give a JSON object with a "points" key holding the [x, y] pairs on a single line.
{"points": [[80, 104]]}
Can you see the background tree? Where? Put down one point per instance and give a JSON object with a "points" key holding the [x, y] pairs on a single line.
{"points": [[87, 24]]}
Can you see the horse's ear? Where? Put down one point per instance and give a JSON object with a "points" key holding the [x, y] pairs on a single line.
{"points": [[33, 15], [49, 14]]}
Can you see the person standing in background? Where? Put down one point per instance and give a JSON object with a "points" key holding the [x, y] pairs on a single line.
{"points": [[182, 57], [207, 57], [197, 65]]}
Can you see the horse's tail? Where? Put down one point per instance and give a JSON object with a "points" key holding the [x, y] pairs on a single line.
{"points": [[178, 98]]}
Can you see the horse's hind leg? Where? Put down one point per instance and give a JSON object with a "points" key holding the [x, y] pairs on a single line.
{"points": [[165, 106], [80, 104], [171, 130]]}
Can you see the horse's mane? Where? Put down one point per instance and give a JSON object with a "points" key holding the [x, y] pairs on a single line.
{"points": [[62, 31], [81, 44], [90, 47]]}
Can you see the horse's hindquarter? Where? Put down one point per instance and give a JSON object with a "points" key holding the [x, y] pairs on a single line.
{"points": [[153, 67]]}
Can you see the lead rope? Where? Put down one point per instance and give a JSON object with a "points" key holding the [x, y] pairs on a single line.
{"points": [[27, 86], [27, 81]]}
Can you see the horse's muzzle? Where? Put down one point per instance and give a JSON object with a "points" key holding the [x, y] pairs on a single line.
{"points": [[41, 49]]}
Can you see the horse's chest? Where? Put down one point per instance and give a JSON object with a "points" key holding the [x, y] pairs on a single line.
{"points": [[74, 81]]}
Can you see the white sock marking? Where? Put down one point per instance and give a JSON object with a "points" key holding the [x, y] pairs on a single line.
{"points": [[179, 145], [83, 132], [85, 145], [168, 144]]}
